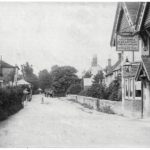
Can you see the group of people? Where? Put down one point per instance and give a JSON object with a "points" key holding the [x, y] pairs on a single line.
{"points": [[27, 94], [49, 93]]}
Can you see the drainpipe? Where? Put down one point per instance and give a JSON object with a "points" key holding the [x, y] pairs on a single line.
{"points": [[142, 105], [122, 60]]}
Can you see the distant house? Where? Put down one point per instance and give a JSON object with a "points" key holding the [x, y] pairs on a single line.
{"points": [[93, 70], [8, 74], [112, 71]]}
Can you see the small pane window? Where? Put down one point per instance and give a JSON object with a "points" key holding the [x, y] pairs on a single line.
{"points": [[138, 89], [126, 88], [131, 88]]}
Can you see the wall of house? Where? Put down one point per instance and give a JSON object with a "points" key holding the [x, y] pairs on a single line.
{"points": [[132, 108], [108, 79], [132, 105], [16, 76], [7, 71], [146, 100]]}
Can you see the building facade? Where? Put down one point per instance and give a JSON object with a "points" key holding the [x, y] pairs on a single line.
{"points": [[126, 23], [112, 71], [8, 74], [93, 70]]}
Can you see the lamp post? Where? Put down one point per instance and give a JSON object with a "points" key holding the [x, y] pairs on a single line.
{"points": [[127, 65], [125, 68], [122, 80]]}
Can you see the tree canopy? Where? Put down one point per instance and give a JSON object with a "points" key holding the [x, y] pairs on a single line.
{"points": [[29, 75], [62, 78], [45, 80]]}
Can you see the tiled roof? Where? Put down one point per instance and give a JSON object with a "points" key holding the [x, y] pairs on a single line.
{"points": [[146, 21], [146, 63], [133, 8], [112, 69], [124, 25], [6, 65]]}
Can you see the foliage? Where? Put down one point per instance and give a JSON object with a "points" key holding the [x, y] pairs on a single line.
{"points": [[45, 80], [99, 77], [97, 89], [74, 89], [10, 76], [62, 78], [10, 101], [54, 67], [114, 90], [29, 76], [87, 74]]}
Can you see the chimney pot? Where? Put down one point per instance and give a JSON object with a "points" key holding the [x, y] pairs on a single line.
{"points": [[119, 56], [109, 62]]}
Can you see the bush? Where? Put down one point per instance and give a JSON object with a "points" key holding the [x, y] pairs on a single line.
{"points": [[74, 89], [96, 91], [84, 92], [114, 92], [10, 101]]}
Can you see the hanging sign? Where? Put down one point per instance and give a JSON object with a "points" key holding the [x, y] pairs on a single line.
{"points": [[127, 43]]}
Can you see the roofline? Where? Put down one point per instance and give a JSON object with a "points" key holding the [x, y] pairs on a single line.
{"points": [[140, 22], [146, 70], [136, 28], [115, 23], [138, 71], [128, 15]]}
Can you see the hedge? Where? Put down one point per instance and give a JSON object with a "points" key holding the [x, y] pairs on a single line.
{"points": [[10, 101]]}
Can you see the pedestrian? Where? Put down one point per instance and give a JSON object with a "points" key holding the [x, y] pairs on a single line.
{"points": [[42, 100], [25, 95]]}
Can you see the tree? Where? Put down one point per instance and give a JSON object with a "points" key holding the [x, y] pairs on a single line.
{"points": [[62, 78], [98, 87], [99, 77], [29, 76], [45, 80], [114, 90], [74, 89], [10, 76], [27, 69], [54, 67], [87, 74]]}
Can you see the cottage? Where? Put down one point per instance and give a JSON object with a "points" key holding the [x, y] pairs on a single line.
{"points": [[126, 29], [111, 72], [93, 70], [8, 74]]}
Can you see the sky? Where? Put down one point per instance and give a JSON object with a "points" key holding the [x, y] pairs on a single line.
{"points": [[47, 34]]}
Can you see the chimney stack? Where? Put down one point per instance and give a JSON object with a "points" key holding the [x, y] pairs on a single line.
{"points": [[109, 62], [119, 56]]}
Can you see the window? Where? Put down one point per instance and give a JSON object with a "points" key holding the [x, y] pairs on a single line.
{"points": [[131, 88], [138, 89], [126, 88]]}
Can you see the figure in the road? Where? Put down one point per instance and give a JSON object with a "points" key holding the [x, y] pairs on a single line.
{"points": [[25, 96], [49, 92]]}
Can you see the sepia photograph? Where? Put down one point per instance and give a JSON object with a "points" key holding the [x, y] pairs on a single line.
{"points": [[74, 74]]}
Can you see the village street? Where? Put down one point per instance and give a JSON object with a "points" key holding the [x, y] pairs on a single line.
{"points": [[62, 123]]}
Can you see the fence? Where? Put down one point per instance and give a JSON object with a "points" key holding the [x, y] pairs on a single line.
{"points": [[98, 104]]}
